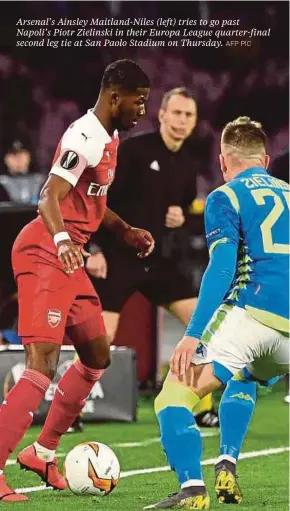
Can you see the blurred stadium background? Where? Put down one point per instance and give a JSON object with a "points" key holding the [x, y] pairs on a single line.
{"points": [[44, 90]]}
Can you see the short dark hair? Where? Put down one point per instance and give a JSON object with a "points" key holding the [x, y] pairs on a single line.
{"points": [[125, 73], [16, 147], [178, 91], [245, 136]]}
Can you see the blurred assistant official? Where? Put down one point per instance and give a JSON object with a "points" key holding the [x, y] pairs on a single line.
{"points": [[155, 185], [18, 184]]}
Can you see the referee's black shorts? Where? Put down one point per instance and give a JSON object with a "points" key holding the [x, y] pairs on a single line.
{"points": [[160, 281]]}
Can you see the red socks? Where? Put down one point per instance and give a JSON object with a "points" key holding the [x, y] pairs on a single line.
{"points": [[69, 399], [16, 412]]}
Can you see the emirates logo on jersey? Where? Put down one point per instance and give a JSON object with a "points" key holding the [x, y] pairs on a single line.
{"points": [[53, 317], [69, 160]]}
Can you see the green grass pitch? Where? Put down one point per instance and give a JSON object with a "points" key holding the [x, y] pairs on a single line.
{"points": [[264, 479]]}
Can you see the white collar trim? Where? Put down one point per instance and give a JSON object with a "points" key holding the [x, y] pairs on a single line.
{"points": [[103, 132]]}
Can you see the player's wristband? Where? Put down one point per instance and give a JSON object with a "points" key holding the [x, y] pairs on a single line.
{"points": [[61, 236]]}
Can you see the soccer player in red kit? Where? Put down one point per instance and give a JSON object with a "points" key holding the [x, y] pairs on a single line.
{"points": [[55, 295]]}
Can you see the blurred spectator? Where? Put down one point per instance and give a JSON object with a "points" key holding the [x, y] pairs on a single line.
{"points": [[280, 166], [56, 116], [18, 182]]}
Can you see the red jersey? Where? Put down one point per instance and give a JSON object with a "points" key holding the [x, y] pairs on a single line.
{"points": [[86, 157]]}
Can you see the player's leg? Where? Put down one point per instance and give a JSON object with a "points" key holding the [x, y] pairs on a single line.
{"points": [[113, 293], [236, 409], [111, 320], [73, 389], [16, 413], [238, 400], [43, 359], [238, 403], [78, 425], [44, 299], [205, 414], [124, 271], [41, 320], [167, 286], [225, 350], [180, 435], [87, 333]]}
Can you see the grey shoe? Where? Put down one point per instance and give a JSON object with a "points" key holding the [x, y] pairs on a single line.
{"points": [[193, 497]]}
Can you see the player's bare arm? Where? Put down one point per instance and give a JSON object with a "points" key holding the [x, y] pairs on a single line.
{"points": [[54, 191], [138, 238]]}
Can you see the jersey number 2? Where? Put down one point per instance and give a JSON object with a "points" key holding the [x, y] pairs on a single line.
{"points": [[266, 226]]}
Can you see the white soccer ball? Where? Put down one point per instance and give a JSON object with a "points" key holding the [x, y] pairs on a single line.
{"points": [[91, 468]]}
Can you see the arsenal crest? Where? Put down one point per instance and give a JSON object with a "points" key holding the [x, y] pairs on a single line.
{"points": [[53, 317]]}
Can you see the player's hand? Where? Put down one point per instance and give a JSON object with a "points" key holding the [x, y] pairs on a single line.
{"points": [[71, 256], [174, 217], [97, 266], [182, 355], [140, 239]]}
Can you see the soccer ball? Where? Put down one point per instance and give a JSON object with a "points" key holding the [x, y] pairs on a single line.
{"points": [[91, 468]]}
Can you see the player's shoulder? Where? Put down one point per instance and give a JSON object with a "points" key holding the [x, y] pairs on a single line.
{"points": [[86, 136], [88, 127], [226, 194]]}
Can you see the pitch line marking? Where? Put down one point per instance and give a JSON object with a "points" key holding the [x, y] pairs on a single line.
{"points": [[125, 445], [210, 461]]}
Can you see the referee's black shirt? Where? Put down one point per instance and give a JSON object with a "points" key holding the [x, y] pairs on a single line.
{"points": [[150, 178]]}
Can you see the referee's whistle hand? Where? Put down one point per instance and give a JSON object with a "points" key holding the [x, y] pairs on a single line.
{"points": [[96, 266], [174, 217]]}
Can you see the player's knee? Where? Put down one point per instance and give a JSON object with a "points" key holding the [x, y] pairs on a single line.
{"points": [[102, 357], [103, 360], [174, 394], [96, 354], [42, 358]]}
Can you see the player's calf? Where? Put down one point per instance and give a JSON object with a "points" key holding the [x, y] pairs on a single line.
{"points": [[18, 407]]}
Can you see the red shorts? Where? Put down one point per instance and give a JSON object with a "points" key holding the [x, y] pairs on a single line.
{"points": [[52, 304]]}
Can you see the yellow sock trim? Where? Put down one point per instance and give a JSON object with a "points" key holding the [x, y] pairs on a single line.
{"points": [[175, 394], [239, 376], [205, 405]]}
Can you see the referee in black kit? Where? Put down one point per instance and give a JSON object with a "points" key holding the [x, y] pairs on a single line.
{"points": [[154, 186]]}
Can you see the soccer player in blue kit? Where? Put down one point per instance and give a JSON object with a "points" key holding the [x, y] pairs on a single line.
{"points": [[239, 332]]}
